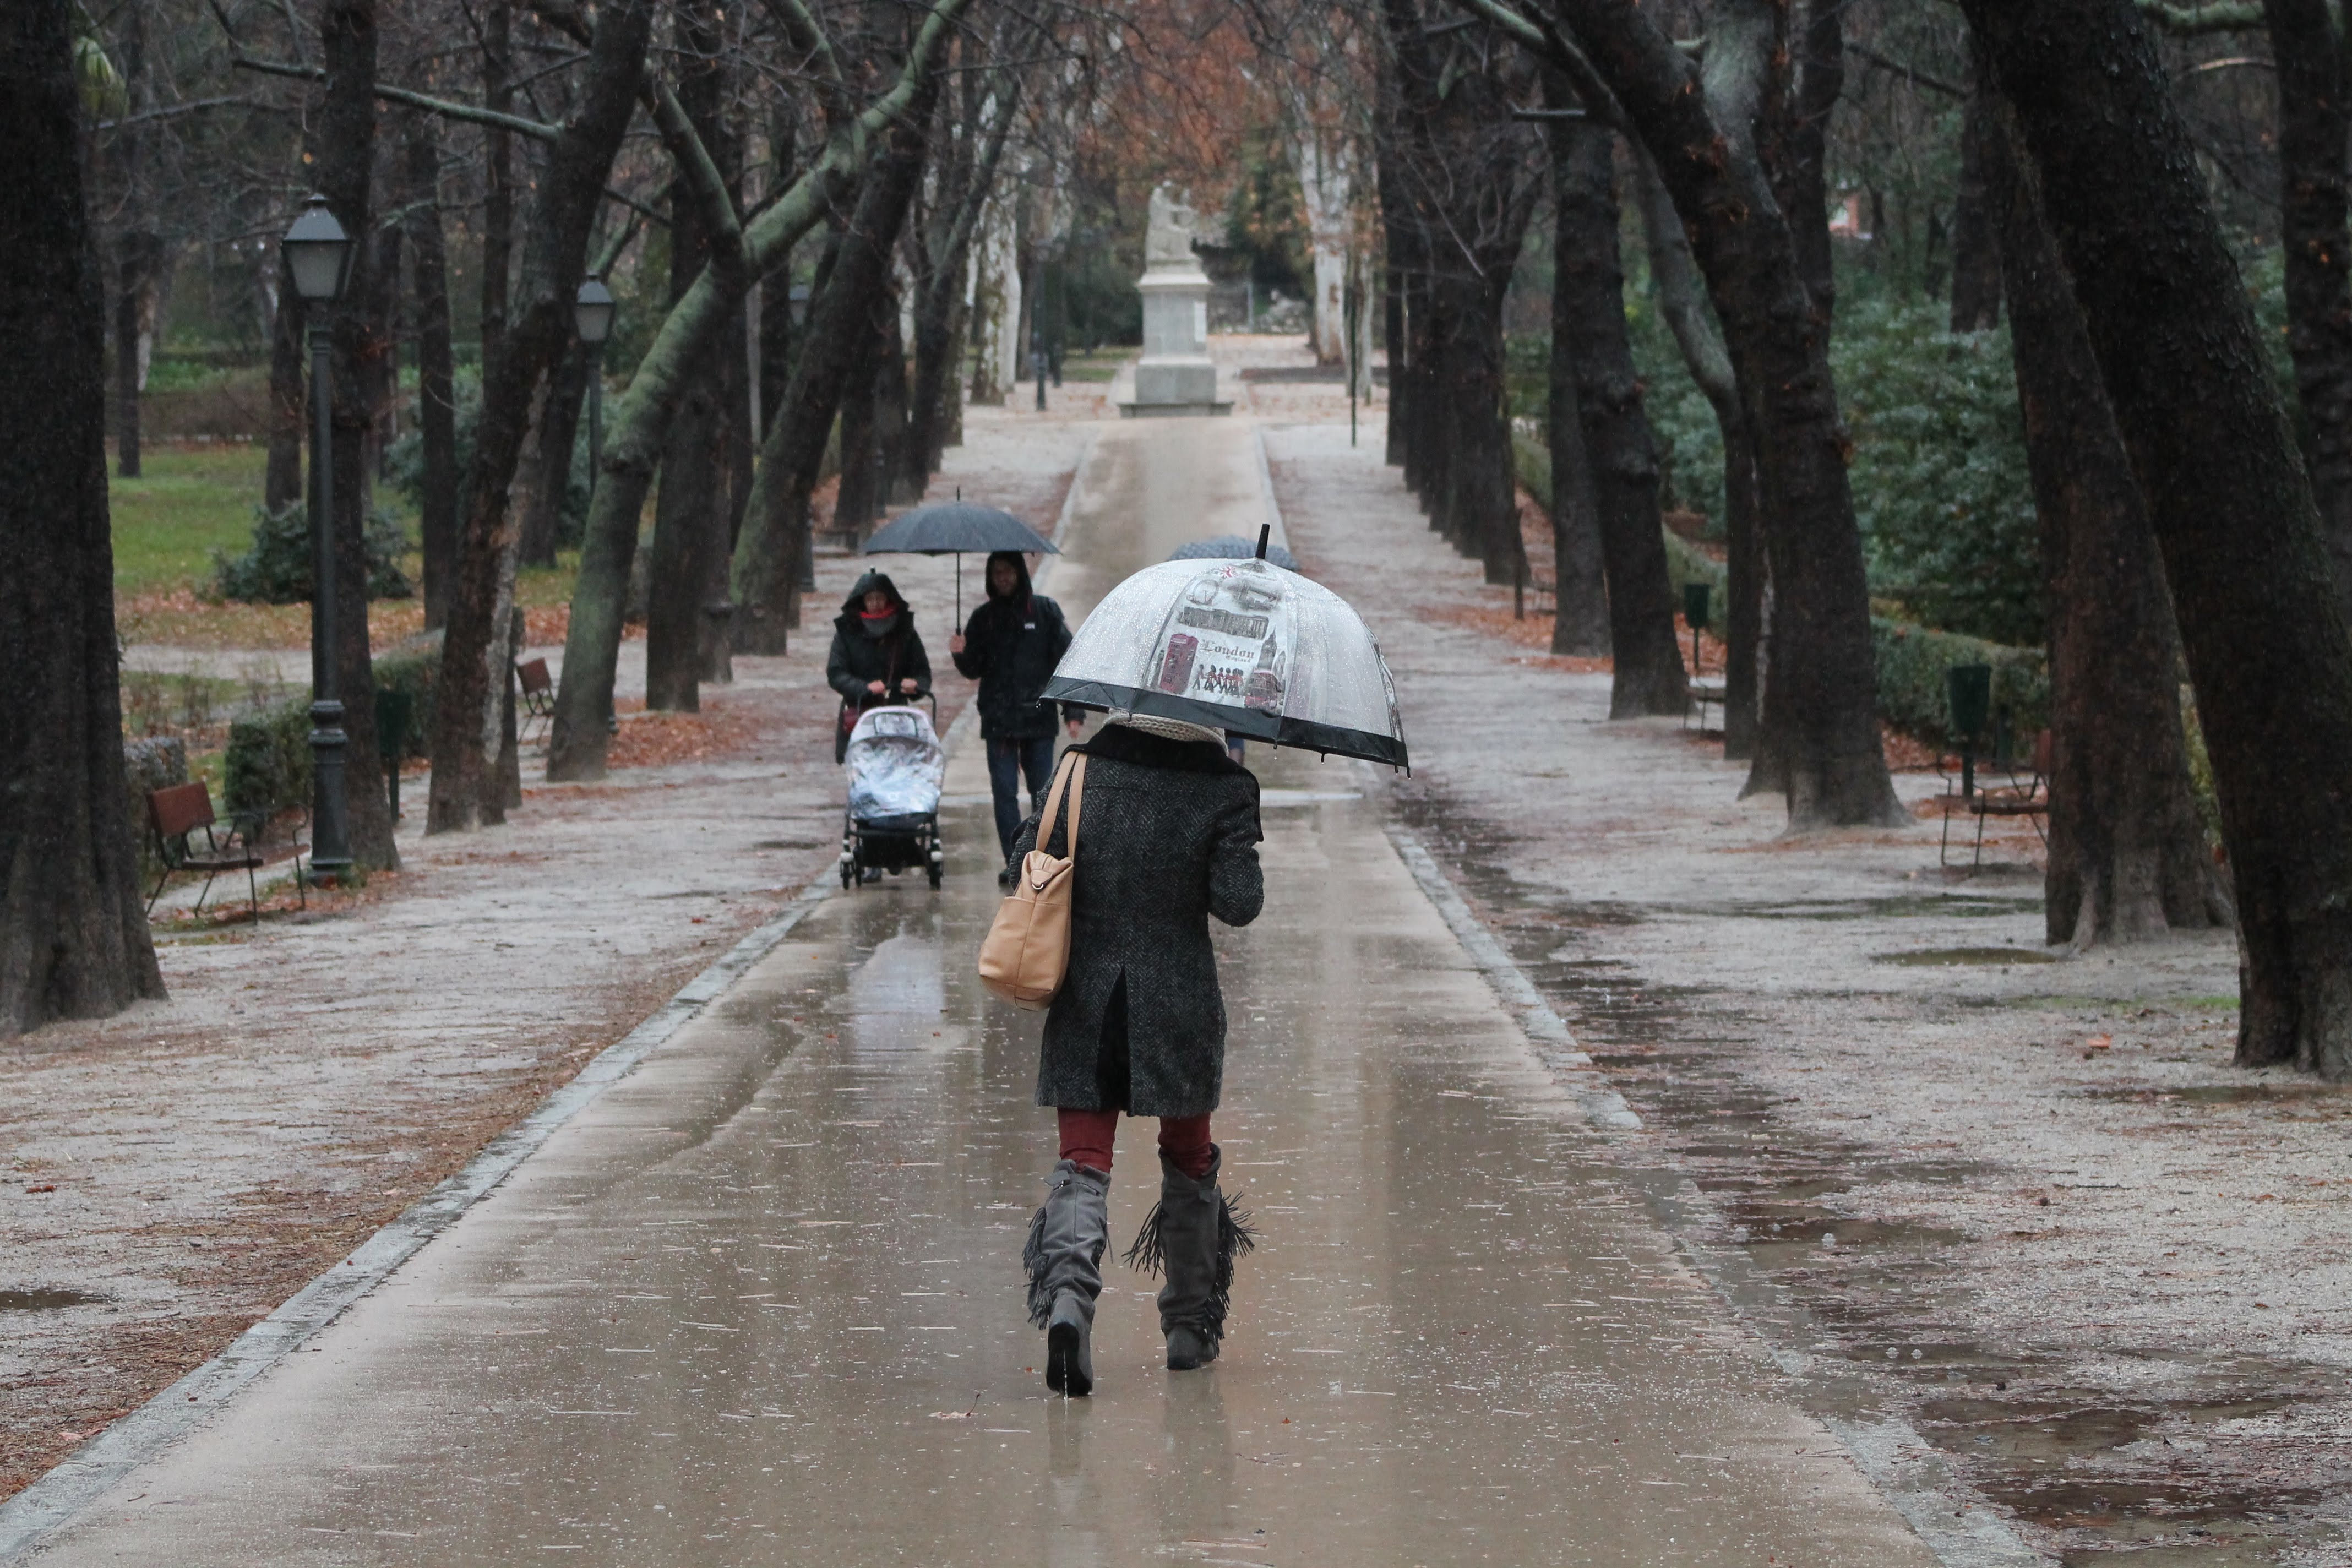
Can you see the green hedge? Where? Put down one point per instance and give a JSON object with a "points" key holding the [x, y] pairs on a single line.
{"points": [[1912, 664], [268, 763], [1912, 659]]}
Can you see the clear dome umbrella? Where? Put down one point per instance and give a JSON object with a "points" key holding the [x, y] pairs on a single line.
{"points": [[1241, 646]]}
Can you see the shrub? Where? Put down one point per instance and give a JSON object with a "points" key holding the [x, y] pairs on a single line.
{"points": [[151, 763], [412, 669], [1940, 487], [267, 767], [276, 570], [1911, 661]]}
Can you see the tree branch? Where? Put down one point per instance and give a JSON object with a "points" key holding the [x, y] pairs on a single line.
{"points": [[391, 94], [802, 29], [2192, 20], [1911, 74], [695, 162]]}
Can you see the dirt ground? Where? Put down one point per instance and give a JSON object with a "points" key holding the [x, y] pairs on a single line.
{"points": [[174, 1173], [2019, 1198]]}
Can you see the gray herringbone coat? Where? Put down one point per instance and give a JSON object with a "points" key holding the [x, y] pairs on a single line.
{"points": [[1168, 837]]}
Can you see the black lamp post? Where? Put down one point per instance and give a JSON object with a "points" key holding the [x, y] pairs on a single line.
{"points": [[319, 255], [591, 313]]}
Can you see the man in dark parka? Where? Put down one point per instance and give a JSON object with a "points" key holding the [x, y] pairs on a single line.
{"points": [[1011, 646], [1167, 836], [877, 655]]}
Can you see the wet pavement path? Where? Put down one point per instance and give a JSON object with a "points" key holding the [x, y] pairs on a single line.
{"points": [[761, 1301]]}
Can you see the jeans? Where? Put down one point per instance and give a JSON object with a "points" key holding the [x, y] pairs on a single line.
{"points": [[1007, 761]]}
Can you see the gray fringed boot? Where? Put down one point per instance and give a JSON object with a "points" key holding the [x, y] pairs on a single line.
{"points": [[1063, 1257], [1194, 1233]]}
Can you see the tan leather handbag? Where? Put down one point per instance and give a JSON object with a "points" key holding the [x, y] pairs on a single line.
{"points": [[1027, 951]]}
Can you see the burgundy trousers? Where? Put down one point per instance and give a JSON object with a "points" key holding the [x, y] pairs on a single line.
{"points": [[1183, 1140]]}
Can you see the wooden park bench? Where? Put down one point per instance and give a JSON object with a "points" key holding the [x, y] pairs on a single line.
{"points": [[177, 814], [538, 695], [2027, 794]]}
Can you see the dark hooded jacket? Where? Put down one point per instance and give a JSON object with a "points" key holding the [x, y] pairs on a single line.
{"points": [[1167, 835], [1011, 646], [857, 659]]}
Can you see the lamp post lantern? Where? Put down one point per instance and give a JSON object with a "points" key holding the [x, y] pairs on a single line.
{"points": [[319, 255], [592, 313]]}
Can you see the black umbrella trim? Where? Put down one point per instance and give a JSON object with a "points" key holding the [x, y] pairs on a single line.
{"points": [[1300, 733], [957, 528]]}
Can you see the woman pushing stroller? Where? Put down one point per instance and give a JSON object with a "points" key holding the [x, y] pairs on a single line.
{"points": [[877, 655]]}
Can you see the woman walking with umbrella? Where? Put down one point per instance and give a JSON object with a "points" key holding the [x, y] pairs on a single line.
{"points": [[1011, 646], [1165, 827]]}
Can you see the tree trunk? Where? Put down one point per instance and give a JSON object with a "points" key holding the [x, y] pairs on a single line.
{"points": [[891, 412], [2315, 121], [475, 653], [73, 936], [436, 405], [542, 530], [1589, 294], [2127, 856], [692, 505], [497, 173], [136, 254], [363, 348], [1821, 739], [1976, 229], [282, 484], [1579, 623], [1682, 299], [776, 523], [690, 493], [692, 329], [858, 501], [2177, 348]]}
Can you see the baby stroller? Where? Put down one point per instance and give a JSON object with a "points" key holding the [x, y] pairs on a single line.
{"points": [[894, 763]]}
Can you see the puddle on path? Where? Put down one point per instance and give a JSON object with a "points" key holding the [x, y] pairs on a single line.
{"points": [[45, 1300], [1944, 957]]}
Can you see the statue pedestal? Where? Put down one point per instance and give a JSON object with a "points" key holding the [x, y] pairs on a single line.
{"points": [[1175, 375]]}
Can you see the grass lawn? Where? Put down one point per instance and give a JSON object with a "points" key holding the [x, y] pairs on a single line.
{"points": [[190, 501], [195, 500]]}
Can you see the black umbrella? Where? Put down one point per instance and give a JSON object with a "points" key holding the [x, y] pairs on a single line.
{"points": [[1233, 547], [952, 527]]}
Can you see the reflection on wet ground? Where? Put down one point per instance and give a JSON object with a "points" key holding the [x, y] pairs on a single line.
{"points": [[762, 1302]]}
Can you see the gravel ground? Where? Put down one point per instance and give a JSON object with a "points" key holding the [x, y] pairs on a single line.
{"points": [[173, 1174], [2019, 1198]]}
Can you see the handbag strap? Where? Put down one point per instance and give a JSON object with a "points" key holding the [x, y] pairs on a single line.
{"points": [[1072, 777]]}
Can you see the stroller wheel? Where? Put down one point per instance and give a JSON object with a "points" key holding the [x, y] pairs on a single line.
{"points": [[935, 876]]}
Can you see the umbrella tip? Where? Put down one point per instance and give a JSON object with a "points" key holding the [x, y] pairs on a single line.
{"points": [[1265, 532], [959, 492]]}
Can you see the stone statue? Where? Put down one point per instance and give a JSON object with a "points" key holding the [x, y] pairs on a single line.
{"points": [[1168, 239]]}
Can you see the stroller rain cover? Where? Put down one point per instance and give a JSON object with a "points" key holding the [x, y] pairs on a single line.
{"points": [[895, 764]]}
